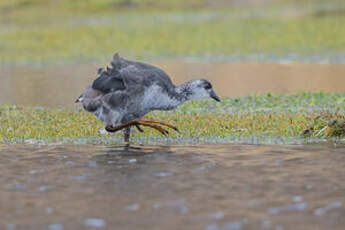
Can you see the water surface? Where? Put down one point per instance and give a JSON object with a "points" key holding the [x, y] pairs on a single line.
{"points": [[173, 187], [60, 86]]}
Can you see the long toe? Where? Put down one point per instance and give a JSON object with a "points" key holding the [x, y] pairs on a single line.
{"points": [[137, 124], [139, 128], [160, 129], [156, 127], [161, 123]]}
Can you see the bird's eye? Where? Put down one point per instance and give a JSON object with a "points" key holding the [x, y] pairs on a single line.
{"points": [[208, 86]]}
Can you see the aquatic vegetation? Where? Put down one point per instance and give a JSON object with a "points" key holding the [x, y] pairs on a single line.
{"points": [[300, 116], [326, 124]]}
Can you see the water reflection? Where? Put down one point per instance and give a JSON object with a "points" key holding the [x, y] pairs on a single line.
{"points": [[137, 150], [59, 86]]}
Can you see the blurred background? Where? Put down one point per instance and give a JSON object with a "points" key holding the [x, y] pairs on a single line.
{"points": [[50, 51], [54, 47]]}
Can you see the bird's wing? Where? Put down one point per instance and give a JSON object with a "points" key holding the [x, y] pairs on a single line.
{"points": [[132, 77], [124, 74], [110, 79], [141, 72], [107, 84]]}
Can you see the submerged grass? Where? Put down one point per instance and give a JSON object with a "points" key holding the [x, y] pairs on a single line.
{"points": [[36, 32], [302, 122]]}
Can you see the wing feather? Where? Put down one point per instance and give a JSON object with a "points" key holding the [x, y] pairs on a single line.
{"points": [[124, 74]]}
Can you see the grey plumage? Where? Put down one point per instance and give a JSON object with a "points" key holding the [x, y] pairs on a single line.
{"points": [[127, 90]]}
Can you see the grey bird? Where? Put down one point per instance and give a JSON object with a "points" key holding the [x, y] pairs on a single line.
{"points": [[127, 90]]}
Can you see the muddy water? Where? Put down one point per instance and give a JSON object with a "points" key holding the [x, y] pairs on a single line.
{"points": [[211, 187], [59, 86]]}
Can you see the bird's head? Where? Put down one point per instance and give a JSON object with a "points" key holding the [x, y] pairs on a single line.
{"points": [[200, 88]]}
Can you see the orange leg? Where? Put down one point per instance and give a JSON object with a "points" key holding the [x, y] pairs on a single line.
{"points": [[149, 123], [161, 123], [110, 128]]}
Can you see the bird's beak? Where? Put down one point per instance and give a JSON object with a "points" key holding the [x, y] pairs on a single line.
{"points": [[214, 96], [79, 99]]}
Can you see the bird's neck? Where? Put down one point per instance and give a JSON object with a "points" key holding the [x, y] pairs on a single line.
{"points": [[173, 99], [183, 92]]}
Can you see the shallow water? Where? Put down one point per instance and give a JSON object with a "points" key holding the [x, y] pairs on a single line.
{"points": [[211, 187], [60, 86]]}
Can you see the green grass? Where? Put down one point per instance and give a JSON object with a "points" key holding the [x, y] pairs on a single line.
{"points": [[37, 32], [305, 117]]}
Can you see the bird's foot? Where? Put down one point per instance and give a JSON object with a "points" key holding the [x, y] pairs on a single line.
{"points": [[154, 126], [137, 123], [161, 123]]}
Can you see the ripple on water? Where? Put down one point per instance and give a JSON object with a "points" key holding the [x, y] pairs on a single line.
{"points": [[43, 188], [236, 225], [288, 208], [10, 227], [132, 160], [92, 164], [49, 211], [212, 227], [132, 207], [217, 215], [279, 227], [297, 199], [94, 222], [81, 177], [324, 210], [19, 187], [178, 205], [164, 174], [55, 227], [266, 224]]}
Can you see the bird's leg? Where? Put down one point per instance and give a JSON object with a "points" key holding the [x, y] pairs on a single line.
{"points": [[126, 133], [161, 123], [112, 129], [156, 127]]}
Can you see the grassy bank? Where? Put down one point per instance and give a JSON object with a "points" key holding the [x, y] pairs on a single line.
{"points": [[40, 32], [306, 116]]}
